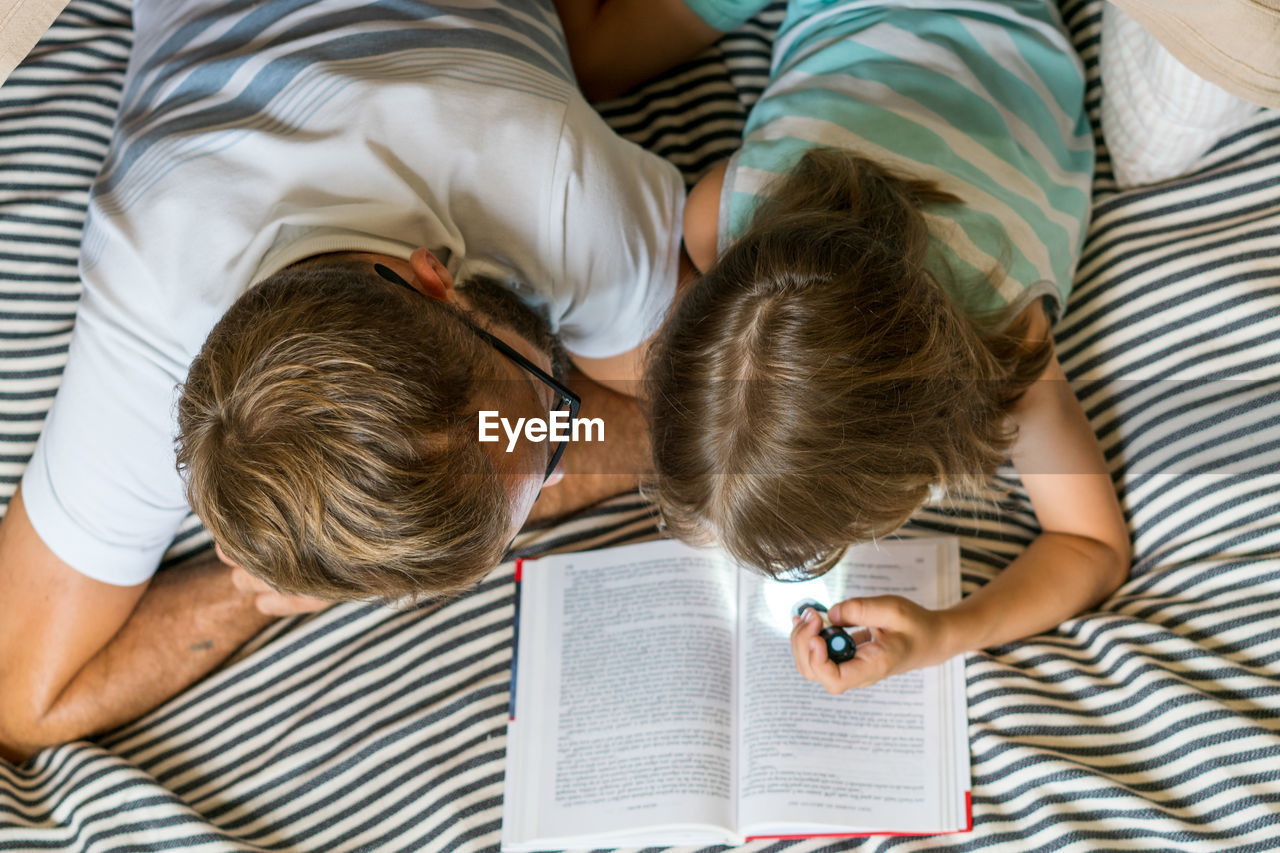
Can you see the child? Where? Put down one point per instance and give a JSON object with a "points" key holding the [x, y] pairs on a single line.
{"points": [[881, 260]]}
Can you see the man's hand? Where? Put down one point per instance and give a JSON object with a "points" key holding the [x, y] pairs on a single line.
{"points": [[272, 602], [905, 636], [269, 600]]}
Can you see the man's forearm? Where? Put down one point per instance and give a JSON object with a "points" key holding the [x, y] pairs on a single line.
{"points": [[187, 622], [595, 470]]}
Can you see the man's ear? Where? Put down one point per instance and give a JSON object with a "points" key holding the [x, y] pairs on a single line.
{"points": [[435, 280]]}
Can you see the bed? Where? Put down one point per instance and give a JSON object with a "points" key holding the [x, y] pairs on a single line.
{"points": [[1152, 723]]}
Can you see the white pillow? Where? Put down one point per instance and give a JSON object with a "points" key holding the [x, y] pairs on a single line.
{"points": [[1158, 116]]}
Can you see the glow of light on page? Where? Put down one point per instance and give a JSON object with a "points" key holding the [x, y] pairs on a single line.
{"points": [[780, 598]]}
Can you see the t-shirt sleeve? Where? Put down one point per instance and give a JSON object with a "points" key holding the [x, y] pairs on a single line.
{"points": [[726, 15], [102, 489], [615, 228]]}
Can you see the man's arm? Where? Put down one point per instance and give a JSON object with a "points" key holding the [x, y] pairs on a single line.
{"points": [[78, 656], [595, 470], [617, 44]]}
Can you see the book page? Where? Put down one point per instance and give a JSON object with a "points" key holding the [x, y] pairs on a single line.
{"points": [[632, 651], [879, 758]]}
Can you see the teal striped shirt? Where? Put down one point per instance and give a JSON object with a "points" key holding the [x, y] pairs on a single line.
{"points": [[984, 98]]}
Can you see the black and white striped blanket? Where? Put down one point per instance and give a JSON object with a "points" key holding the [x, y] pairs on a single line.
{"points": [[1153, 723]]}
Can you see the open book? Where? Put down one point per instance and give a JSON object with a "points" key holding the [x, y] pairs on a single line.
{"points": [[654, 702]]}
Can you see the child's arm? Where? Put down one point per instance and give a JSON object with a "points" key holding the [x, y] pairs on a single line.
{"points": [[1079, 559], [618, 44]]}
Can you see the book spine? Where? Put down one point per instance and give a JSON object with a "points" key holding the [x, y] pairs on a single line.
{"points": [[515, 641]]}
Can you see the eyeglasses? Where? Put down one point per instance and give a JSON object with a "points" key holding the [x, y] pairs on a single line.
{"points": [[563, 399]]}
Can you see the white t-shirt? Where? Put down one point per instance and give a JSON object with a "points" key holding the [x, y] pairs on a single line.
{"points": [[252, 135]]}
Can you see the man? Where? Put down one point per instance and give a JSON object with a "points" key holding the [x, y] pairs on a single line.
{"points": [[382, 175]]}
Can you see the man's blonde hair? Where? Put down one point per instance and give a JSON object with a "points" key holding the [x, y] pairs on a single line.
{"points": [[328, 438], [808, 392]]}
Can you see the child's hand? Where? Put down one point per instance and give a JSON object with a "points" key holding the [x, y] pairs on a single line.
{"points": [[907, 636]]}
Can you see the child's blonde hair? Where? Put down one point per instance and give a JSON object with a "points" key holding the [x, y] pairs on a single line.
{"points": [[810, 389]]}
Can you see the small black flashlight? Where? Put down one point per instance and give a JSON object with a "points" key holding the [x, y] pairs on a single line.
{"points": [[840, 646]]}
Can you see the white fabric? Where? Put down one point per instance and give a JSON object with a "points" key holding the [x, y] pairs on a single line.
{"points": [[289, 130], [1159, 117]]}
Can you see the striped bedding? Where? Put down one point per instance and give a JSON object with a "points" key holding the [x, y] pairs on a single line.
{"points": [[1153, 723]]}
